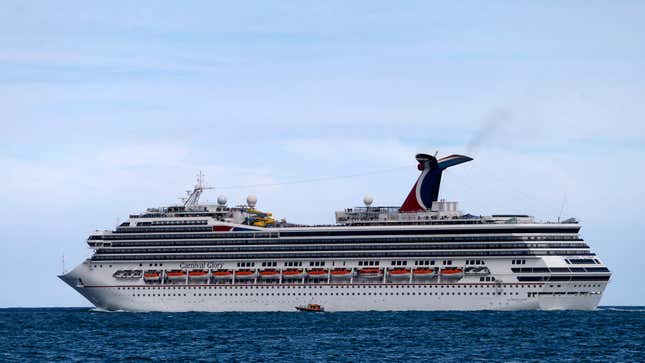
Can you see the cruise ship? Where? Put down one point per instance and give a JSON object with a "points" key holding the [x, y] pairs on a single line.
{"points": [[423, 255]]}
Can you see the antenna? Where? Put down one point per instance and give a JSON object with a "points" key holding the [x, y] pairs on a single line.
{"points": [[564, 202], [192, 198]]}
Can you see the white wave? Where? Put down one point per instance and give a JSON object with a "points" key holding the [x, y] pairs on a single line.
{"points": [[632, 310]]}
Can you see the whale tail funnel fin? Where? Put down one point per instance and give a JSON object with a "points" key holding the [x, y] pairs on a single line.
{"points": [[426, 189]]}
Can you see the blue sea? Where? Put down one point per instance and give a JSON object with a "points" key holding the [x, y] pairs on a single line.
{"points": [[609, 334]]}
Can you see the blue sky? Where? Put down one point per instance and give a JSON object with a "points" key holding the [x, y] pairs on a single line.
{"points": [[107, 109]]}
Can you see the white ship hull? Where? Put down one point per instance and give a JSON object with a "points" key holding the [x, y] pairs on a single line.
{"points": [[106, 293]]}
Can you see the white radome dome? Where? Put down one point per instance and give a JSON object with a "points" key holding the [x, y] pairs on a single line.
{"points": [[251, 200], [368, 200], [221, 200]]}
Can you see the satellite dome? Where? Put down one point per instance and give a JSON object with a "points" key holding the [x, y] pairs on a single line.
{"points": [[221, 200], [251, 200], [368, 200]]}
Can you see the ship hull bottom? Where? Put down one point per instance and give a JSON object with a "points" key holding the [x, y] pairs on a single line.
{"points": [[337, 297]]}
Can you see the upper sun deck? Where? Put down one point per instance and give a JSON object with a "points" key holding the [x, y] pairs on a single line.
{"points": [[441, 212], [421, 207]]}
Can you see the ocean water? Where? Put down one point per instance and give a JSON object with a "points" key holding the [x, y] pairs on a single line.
{"points": [[610, 334]]}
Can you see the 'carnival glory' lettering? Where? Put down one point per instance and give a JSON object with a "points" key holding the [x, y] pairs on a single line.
{"points": [[211, 265]]}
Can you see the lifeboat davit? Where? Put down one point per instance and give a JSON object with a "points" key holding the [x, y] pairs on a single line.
{"points": [[175, 275], [245, 275], [270, 274], [317, 273], [399, 273], [151, 275], [424, 272], [199, 274], [452, 273], [370, 272], [293, 273], [341, 273]]}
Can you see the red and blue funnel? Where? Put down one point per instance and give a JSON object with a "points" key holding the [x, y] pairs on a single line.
{"points": [[426, 189]]}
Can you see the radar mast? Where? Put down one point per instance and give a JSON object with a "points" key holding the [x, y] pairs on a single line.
{"points": [[193, 198]]}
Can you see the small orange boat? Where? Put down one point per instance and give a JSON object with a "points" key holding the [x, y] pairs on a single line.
{"points": [[293, 273], [270, 274], [452, 273], [223, 274], [245, 274], [317, 273], [176, 274], [370, 272], [198, 274], [151, 275], [399, 273], [311, 308], [341, 272], [423, 272]]}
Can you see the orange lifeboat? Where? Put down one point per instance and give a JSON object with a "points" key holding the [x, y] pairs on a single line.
{"points": [[452, 273], [176, 275], [399, 273], [341, 273], [198, 274], [423, 272], [293, 273], [317, 273], [270, 274], [370, 272], [223, 274], [245, 274], [151, 275]]}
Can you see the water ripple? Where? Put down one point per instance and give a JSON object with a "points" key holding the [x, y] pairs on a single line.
{"points": [[86, 335]]}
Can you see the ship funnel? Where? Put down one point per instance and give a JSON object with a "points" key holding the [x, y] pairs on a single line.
{"points": [[426, 189]]}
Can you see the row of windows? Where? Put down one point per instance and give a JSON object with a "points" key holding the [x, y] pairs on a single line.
{"points": [[340, 286], [582, 261], [368, 263], [336, 294], [263, 238], [535, 294], [562, 278], [416, 263], [519, 262], [475, 262], [487, 278], [106, 249], [514, 229], [173, 222], [236, 256], [545, 229], [558, 269], [345, 286], [160, 229], [424, 263]]}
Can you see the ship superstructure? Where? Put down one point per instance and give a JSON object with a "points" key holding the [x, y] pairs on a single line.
{"points": [[423, 255]]}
